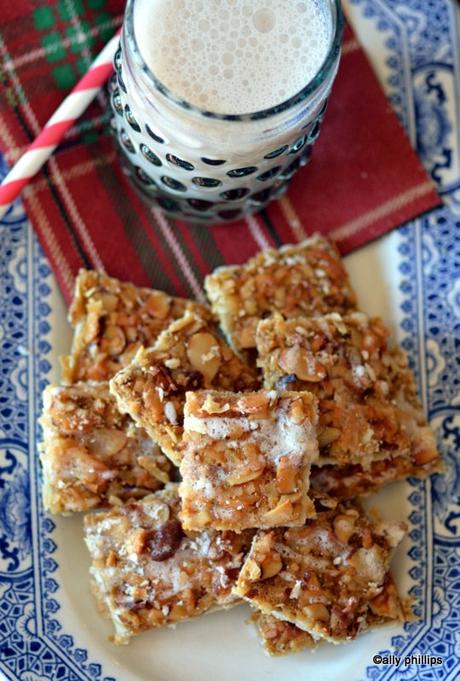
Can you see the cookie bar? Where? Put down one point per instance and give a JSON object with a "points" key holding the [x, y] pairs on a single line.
{"points": [[111, 320], [149, 572], [322, 577], [306, 279], [368, 406], [282, 638], [188, 355], [344, 482], [246, 459], [92, 455]]}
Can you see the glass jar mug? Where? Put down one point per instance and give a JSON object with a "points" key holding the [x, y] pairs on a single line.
{"points": [[205, 166]]}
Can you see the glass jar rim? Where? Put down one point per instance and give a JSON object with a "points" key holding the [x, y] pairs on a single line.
{"points": [[309, 89]]}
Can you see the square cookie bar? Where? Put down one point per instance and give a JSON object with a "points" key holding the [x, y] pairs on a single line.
{"points": [[92, 455], [188, 355], [148, 572], [246, 459], [281, 638], [345, 482], [368, 406], [111, 320], [306, 279], [321, 577]]}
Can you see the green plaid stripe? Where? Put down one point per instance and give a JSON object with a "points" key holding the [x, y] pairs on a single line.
{"points": [[68, 35]]}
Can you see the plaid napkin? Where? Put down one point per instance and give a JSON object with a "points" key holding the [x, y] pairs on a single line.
{"points": [[363, 181]]}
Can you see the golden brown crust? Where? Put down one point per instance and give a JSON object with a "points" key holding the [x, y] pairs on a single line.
{"points": [[92, 455], [306, 279], [323, 577], [112, 320], [188, 355], [368, 404], [346, 482], [247, 459], [282, 638], [151, 573]]}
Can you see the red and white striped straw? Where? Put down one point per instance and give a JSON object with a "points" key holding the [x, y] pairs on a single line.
{"points": [[62, 120]]}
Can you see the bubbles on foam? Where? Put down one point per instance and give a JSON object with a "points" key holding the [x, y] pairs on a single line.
{"points": [[264, 20], [233, 56]]}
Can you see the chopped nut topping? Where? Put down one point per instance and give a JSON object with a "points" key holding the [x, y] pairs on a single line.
{"points": [[367, 410], [246, 459], [338, 403], [295, 575], [280, 637], [306, 279], [92, 455], [271, 565], [344, 482], [112, 319], [188, 355], [151, 573]]}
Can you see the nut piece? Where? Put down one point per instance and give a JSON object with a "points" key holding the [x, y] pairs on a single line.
{"points": [[280, 514], [157, 305], [114, 341], [214, 406], [296, 360], [240, 477], [317, 611], [162, 512], [252, 571], [204, 354], [344, 527], [271, 565], [107, 441], [253, 402], [286, 476], [163, 542], [152, 467]]}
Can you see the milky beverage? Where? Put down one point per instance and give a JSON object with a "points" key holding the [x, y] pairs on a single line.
{"points": [[237, 56], [210, 100]]}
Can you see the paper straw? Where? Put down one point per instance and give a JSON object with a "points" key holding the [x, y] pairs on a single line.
{"points": [[62, 120]]}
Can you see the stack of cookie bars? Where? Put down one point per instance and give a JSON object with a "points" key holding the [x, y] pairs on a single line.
{"points": [[228, 470]]}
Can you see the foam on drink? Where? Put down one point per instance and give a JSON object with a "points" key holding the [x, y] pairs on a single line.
{"points": [[233, 56]]}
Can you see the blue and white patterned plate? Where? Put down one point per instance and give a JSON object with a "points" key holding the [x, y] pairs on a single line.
{"points": [[49, 628]]}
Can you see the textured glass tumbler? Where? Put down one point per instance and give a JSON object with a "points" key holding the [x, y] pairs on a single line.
{"points": [[208, 167]]}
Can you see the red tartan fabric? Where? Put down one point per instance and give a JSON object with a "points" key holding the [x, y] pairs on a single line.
{"points": [[363, 181]]}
